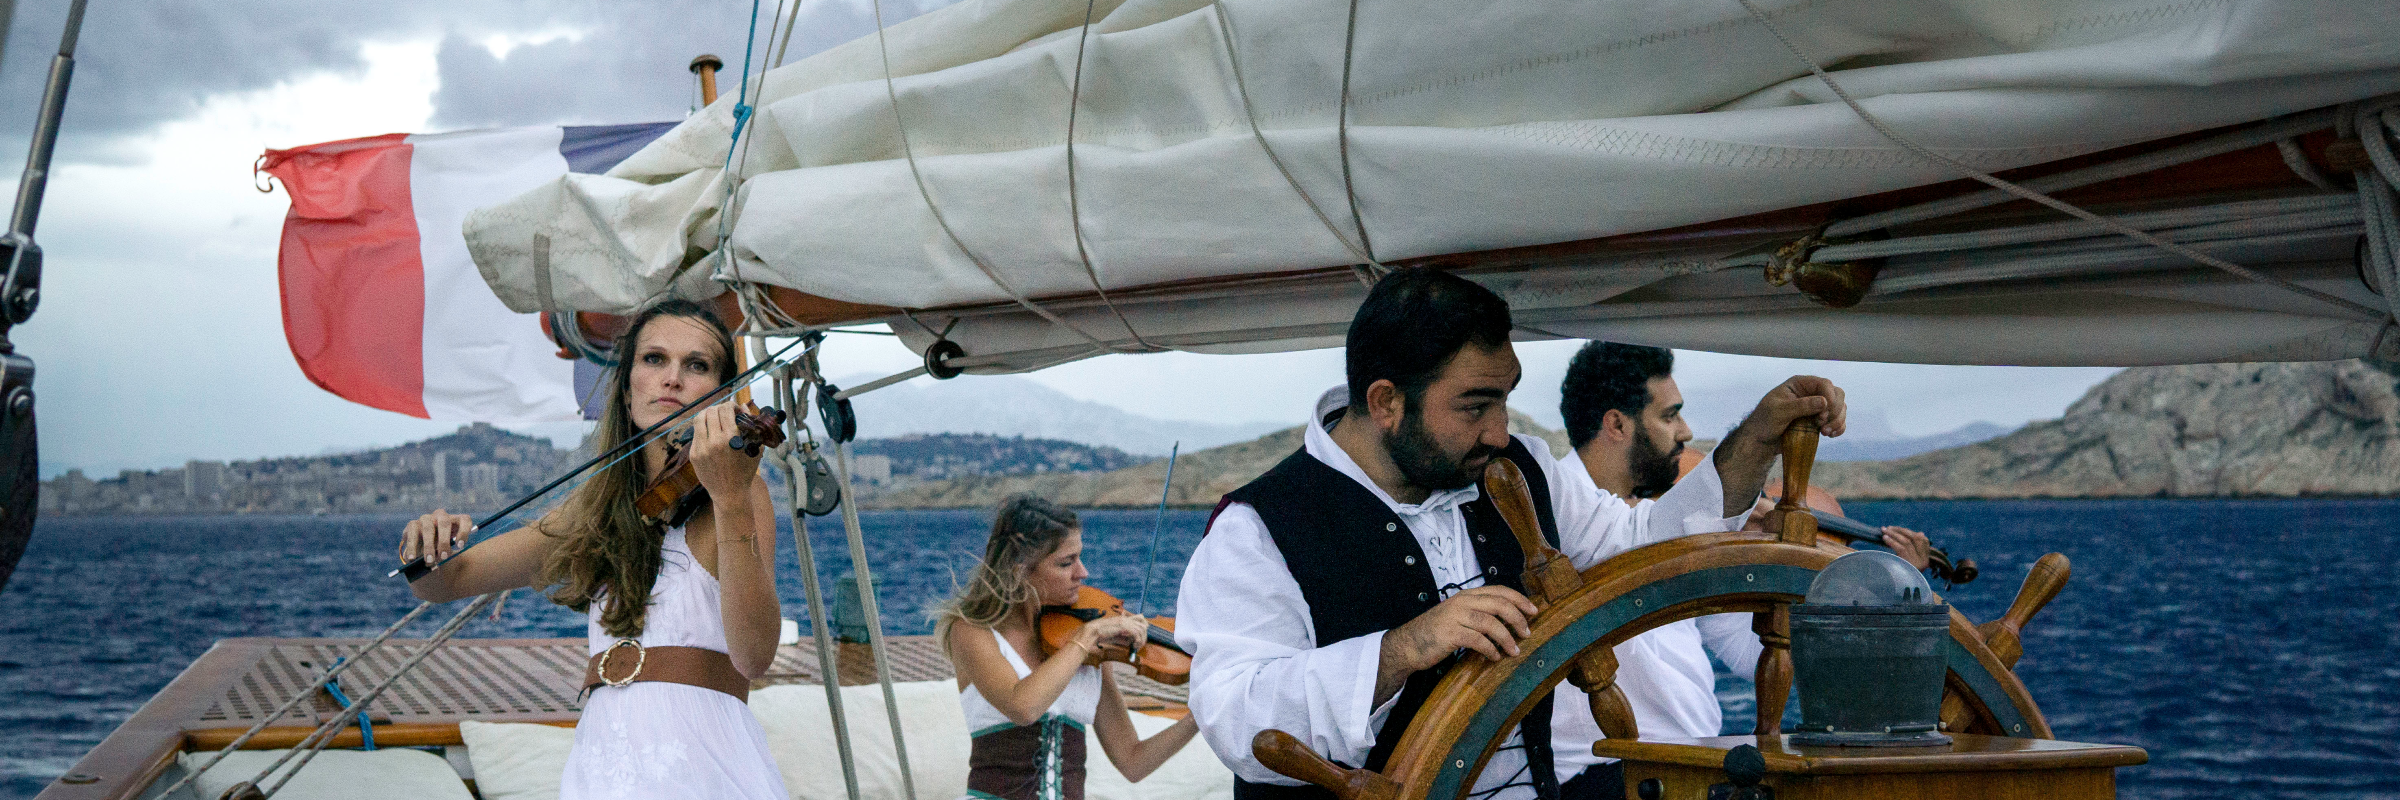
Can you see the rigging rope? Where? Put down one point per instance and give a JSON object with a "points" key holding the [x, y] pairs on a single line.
{"points": [[2028, 194], [1369, 269], [909, 152], [1083, 41], [1342, 135], [2379, 208]]}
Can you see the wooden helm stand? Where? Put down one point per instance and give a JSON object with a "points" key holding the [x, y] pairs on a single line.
{"points": [[1585, 614]]}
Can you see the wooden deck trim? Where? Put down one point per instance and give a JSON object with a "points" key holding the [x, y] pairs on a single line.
{"points": [[177, 719], [125, 763], [1967, 753]]}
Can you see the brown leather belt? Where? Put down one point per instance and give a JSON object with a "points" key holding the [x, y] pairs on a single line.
{"points": [[690, 666]]}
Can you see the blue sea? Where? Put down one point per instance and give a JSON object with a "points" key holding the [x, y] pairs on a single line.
{"points": [[2248, 645]]}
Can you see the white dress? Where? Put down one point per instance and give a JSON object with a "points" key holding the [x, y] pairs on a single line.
{"points": [[1041, 761], [654, 740]]}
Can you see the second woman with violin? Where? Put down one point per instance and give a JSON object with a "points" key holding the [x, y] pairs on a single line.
{"points": [[1026, 704]]}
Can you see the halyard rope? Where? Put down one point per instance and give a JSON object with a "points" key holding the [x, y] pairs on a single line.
{"points": [[1342, 134], [2136, 234]]}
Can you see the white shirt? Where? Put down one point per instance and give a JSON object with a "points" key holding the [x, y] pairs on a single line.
{"points": [[1665, 671], [1256, 661]]}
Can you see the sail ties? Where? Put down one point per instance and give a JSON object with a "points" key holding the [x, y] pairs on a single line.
{"points": [[2023, 192], [1367, 268], [1083, 42], [917, 175]]}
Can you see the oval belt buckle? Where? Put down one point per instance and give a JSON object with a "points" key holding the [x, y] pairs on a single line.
{"points": [[640, 655]]}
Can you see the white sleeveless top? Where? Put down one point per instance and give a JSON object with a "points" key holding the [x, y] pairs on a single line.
{"points": [[685, 608], [1078, 702], [667, 741]]}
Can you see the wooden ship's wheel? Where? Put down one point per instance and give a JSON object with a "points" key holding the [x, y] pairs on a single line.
{"points": [[1585, 614]]}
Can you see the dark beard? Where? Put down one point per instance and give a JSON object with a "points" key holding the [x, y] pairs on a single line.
{"points": [[1653, 470], [1423, 464]]}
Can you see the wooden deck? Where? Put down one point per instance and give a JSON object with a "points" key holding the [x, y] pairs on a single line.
{"points": [[240, 681]]}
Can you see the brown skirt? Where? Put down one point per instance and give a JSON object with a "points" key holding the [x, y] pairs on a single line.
{"points": [[1041, 761]]}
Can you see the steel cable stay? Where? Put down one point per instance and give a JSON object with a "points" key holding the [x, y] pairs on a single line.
{"points": [[863, 573], [318, 739], [327, 677], [795, 483]]}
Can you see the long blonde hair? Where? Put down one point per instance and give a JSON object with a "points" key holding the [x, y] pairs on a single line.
{"points": [[1026, 529], [608, 552]]}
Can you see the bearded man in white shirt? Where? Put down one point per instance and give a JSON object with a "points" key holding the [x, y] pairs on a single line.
{"points": [[1329, 595], [1624, 417]]}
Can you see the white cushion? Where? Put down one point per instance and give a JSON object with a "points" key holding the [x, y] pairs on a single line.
{"points": [[398, 773], [1193, 773], [800, 734], [517, 760]]}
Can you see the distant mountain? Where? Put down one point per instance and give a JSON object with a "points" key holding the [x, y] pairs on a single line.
{"points": [[1005, 405], [1869, 447], [1200, 477], [936, 456], [2201, 430]]}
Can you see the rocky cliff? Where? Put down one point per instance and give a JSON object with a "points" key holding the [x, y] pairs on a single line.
{"points": [[1200, 477], [2205, 430]]}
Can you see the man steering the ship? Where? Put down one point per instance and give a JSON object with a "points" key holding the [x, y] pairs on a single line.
{"points": [[1328, 595], [1624, 418]]}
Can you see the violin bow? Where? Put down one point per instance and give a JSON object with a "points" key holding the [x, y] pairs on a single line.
{"points": [[1142, 604], [417, 567]]}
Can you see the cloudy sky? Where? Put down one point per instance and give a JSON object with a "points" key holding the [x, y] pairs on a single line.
{"points": [[159, 338]]}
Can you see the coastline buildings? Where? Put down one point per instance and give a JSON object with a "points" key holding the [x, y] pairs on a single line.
{"points": [[477, 468]]}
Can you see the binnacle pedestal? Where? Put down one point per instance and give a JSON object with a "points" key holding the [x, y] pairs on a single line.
{"points": [[1970, 767]]}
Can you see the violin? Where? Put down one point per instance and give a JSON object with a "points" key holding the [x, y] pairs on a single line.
{"points": [[1846, 531], [675, 495], [1158, 658]]}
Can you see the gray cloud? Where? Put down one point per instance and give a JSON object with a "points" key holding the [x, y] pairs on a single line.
{"points": [[141, 64], [629, 66]]}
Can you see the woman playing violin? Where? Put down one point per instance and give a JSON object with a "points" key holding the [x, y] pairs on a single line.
{"points": [[680, 619], [1028, 708]]}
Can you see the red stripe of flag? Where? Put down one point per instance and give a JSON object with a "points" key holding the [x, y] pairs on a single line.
{"points": [[353, 275]]}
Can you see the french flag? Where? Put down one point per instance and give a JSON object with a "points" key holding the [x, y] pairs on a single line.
{"points": [[381, 304]]}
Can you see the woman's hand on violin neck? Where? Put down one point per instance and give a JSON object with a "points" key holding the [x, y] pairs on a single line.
{"points": [[723, 471], [1122, 630], [1909, 545], [434, 537]]}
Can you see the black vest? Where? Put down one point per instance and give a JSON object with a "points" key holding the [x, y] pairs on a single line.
{"points": [[1361, 571]]}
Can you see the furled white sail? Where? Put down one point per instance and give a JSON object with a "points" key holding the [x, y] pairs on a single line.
{"points": [[1208, 146]]}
